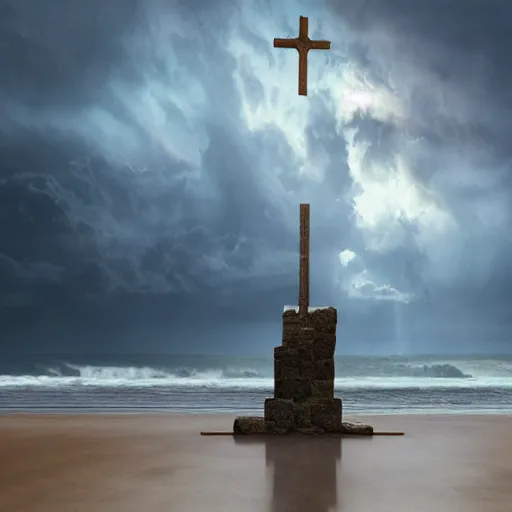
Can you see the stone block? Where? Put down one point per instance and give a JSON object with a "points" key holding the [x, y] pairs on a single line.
{"points": [[273, 428], [349, 427], [322, 389], [280, 414], [291, 316], [291, 337], [326, 414], [323, 369], [310, 431], [306, 369], [306, 334], [323, 345], [290, 334], [292, 320], [302, 415], [306, 359], [292, 389], [304, 350], [294, 360], [324, 320], [294, 326], [249, 425], [286, 363]]}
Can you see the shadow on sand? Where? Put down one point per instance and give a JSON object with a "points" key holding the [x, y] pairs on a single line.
{"points": [[303, 471]]}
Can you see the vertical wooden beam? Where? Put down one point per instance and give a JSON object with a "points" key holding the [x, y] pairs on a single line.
{"points": [[304, 260]]}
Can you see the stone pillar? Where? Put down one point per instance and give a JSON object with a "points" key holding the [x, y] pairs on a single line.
{"points": [[304, 375]]}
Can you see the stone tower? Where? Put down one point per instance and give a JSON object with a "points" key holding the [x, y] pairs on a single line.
{"points": [[303, 365], [304, 375]]}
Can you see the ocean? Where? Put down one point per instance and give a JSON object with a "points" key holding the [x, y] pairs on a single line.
{"points": [[239, 385]]}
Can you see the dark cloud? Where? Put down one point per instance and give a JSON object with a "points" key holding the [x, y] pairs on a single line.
{"points": [[461, 44], [153, 155], [61, 53]]}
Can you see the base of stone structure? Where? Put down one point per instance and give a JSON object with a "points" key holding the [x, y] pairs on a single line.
{"points": [[258, 425]]}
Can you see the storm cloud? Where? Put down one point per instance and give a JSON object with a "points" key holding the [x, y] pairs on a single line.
{"points": [[153, 155]]}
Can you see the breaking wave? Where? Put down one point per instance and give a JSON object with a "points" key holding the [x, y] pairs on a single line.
{"points": [[353, 373]]}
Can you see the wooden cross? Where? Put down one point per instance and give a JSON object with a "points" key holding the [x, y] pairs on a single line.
{"points": [[304, 260], [303, 44]]}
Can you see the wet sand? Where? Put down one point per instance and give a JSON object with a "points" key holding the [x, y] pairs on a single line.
{"points": [[160, 463]]}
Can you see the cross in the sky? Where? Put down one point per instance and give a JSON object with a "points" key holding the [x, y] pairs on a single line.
{"points": [[303, 44]]}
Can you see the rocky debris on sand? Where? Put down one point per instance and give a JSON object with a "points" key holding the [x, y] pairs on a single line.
{"points": [[249, 425], [350, 427]]}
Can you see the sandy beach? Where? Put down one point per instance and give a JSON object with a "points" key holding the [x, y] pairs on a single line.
{"points": [[160, 463]]}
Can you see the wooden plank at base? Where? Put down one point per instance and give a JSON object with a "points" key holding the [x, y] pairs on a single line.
{"points": [[384, 434], [333, 434], [219, 434]]}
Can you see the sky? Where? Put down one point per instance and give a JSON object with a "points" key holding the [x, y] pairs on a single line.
{"points": [[153, 155]]}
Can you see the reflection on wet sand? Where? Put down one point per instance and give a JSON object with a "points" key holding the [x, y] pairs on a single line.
{"points": [[302, 471]]}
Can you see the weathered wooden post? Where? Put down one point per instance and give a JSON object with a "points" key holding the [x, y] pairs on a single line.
{"points": [[304, 261]]}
